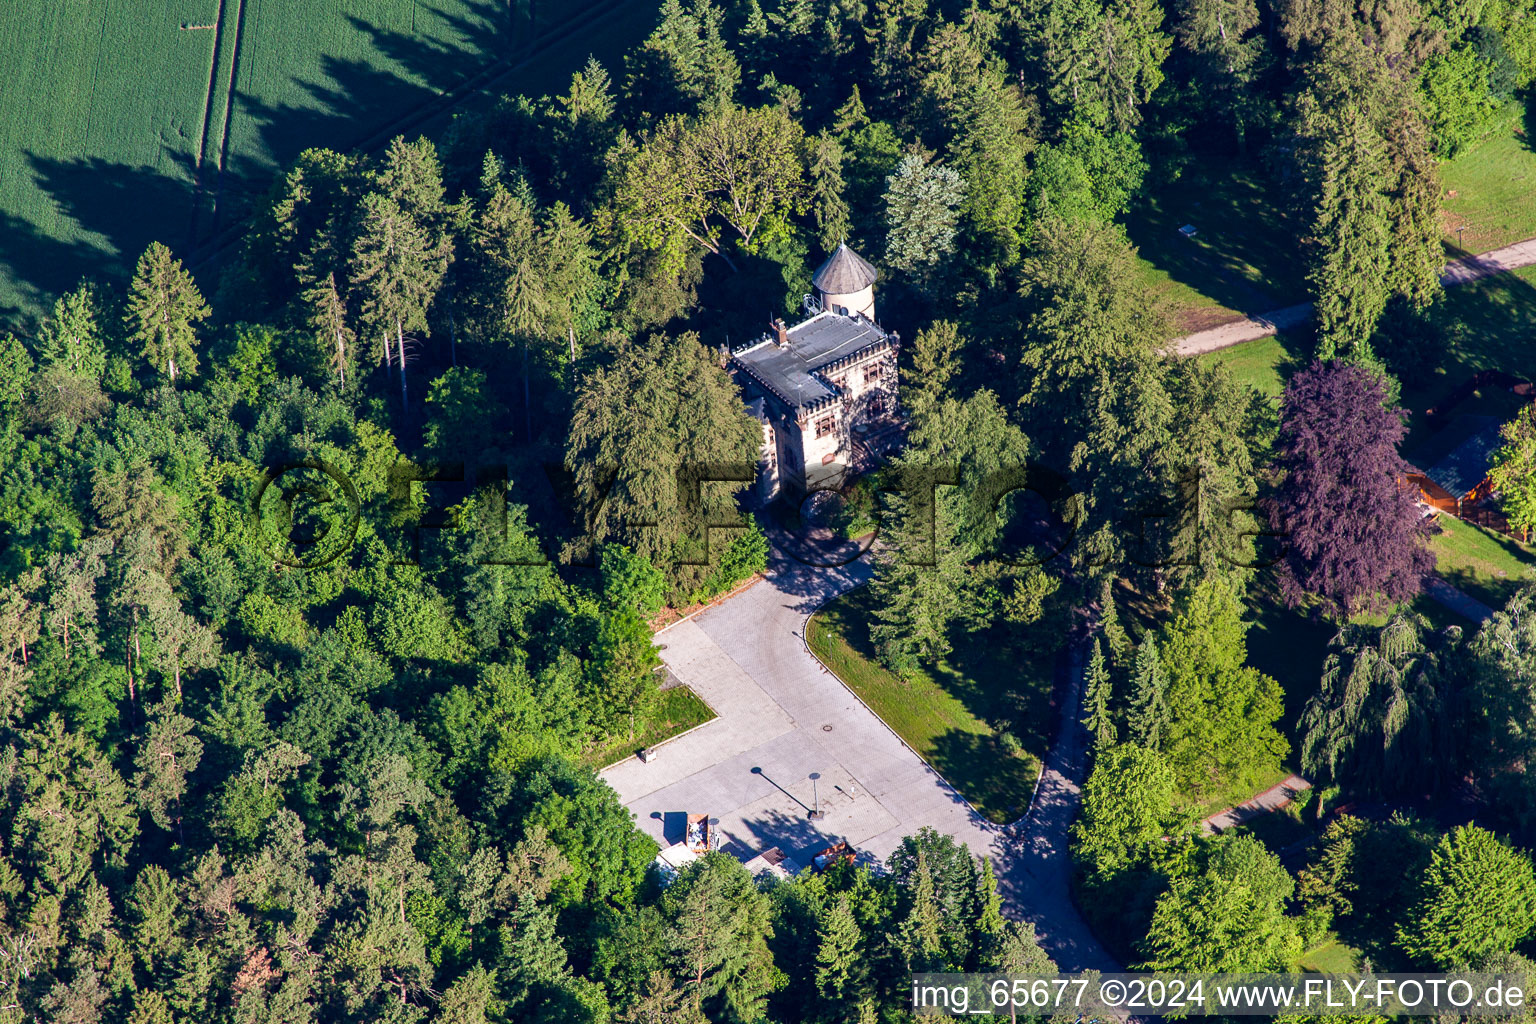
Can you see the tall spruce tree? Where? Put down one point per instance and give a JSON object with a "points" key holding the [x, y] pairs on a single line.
{"points": [[1147, 714], [1098, 694], [163, 307]]}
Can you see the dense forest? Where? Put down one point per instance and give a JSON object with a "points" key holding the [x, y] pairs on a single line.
{"points": [[273, 756]]}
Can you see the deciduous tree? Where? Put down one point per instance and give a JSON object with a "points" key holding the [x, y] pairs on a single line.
{"points": [[1353, 536], [1477, 897]]}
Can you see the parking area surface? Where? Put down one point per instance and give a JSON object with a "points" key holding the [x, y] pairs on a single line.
{"points": [[782, 717]]}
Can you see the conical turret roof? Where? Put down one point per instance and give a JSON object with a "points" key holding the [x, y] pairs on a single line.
{"points": [[844, 273]]}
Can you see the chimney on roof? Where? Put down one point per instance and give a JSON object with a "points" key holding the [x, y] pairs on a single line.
{"points": [[780, 332]]}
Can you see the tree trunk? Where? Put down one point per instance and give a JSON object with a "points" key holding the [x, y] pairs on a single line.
{"points": [[572, 330], [405, 404], [341, 358], [527, 400]]}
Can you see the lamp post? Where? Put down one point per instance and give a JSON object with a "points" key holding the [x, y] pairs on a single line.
{"points": [[816, 812]]}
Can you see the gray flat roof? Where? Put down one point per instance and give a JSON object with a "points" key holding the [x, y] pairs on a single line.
{"points": [[824, 338]]}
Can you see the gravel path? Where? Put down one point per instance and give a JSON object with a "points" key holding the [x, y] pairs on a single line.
{"points": [[782, 716], [1262, 325]]}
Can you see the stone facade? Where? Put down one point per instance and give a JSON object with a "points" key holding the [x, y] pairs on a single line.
{"points": [[825, 390]]}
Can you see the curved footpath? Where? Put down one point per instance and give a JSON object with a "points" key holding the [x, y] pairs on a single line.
{"points": [[782, 717], [1262, 325]]}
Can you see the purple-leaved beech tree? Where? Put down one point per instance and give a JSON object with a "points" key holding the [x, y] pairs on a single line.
{"points": [[1355, 538]]}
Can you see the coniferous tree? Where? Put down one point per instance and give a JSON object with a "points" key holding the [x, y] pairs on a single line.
{"points": [[70, 339], [839, 967], [1116, 639], [1099, 60], [828, 207], [328, 318], [1097, 694], [684, 66], [921, 931], [168, 754], [719, 937], [1147, 715], [163, 306], [401, 248], [922, 202]]}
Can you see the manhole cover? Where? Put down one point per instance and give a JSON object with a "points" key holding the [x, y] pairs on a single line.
{"points": [[826, 728]]}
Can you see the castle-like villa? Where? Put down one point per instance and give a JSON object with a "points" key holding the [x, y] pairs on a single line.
{"points": [[824, 389]]}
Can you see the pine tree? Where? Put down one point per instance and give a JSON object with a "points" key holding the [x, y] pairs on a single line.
{"points": [[396, 269], [922, 203], [1147, 716], [328, 316], [401, 248], [1098, 691], [988, 928], [828, 207], [851, 116], [163, 306], [510, 271], [935, 361], [921, 934], [168, 755], [1354, 240]]}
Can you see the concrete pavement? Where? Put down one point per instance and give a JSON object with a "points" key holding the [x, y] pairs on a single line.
{"points": [[1272, 799], [1456, 600], [1262, 325], [782, 716]]}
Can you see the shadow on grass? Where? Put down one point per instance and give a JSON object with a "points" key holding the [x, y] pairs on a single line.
{"points": [[999, 692], [1242, 255], [997, 782]]}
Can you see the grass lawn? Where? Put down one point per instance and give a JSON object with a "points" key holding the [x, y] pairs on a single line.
{"points": [[1480, 562], [1494, 186], [680, 710], [115, 108], [1332, 957], [1484, 325], [946, 714], [1240, 259], [1264, 364]]}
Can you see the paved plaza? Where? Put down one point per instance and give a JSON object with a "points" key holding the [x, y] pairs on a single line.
{"points": [[781, 718]]}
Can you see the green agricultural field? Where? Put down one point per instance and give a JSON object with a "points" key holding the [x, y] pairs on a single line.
{"points": [[126, 121]]}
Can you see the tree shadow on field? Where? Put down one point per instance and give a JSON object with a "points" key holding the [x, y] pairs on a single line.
{"points": [[347, 104], [106, 199]]}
